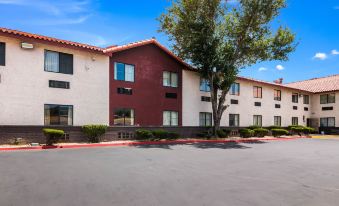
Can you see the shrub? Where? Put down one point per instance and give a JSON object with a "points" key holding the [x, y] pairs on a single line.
{"points": [[93, 132], [220, 133], [260, 132], [245, 133], [279, 132], [205, 134], [52, 135], [142, 134], [309, 130], [227, 132], [160, 134], [173, 135], [274, 127], [253, 127], [297, 129]]}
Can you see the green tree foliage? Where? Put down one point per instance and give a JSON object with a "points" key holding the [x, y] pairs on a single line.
{"points": [[219, 39]]}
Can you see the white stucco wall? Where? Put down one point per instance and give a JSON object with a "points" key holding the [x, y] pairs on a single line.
{"points": [[192, 104], [317, 112], [24, 87]]}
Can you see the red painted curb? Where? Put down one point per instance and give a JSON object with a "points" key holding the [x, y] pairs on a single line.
{"points": [[145, 143]]}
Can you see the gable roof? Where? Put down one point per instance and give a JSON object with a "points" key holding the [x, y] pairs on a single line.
{"points": [[318, 85], [16, 33], [115, 49]]}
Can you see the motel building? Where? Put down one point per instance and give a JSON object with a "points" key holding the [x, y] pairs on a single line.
{"points": [[47, 82]]}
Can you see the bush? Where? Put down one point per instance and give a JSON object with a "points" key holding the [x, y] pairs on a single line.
{"points": [[93, 132], [274, 127], [309, 130], [52, 135], [173, 135], [245, 133], [221, 133], [142, 134], [297, 129], [160, 134], [253, 127], [260, 132], [279, 132]]}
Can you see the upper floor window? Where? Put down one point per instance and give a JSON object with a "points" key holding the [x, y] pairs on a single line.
{"points": [[277, 95], [235, 89], [306, 99], [233, 120], [257, 120], [295, 97], [327, 98], [205, 119], [327, 122], [204, 85], [123, 117], [170, 118], [2, 54], [58, 114], [59, 84], [257, 92], [123, 72], [58, 62], [170, 79]]}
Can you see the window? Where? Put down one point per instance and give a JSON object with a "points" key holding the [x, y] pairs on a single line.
{"points": [[171, 95], [123, 72], [170, 118], [277, 121], [205, 99], [257, 104], [326, 108], [170, 79], [58, 114], [58, 84], [295, 97], [58, 62], [257, 120], [295, 108], [235, 89], [2, 54], [257, 92], [277, 95], [234, 120], [327, 98], [205, 119], [305, 108], [123, 117], [327, 122], [277, 106], [204, 85], [306, 99], [127, 91], [234, 101], [294, 120]]}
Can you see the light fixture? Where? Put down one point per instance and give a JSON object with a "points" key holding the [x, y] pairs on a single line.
{"points": [[26, 45]]}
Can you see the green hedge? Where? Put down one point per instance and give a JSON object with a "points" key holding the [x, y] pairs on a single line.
{"points": [[260, 132], [52, 135], [274, 127], [143, 134], [246, 133], [94, 132], [253, 127], [279, 132]]}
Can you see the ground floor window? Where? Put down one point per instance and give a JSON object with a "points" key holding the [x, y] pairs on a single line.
{"points": [[205, 119], [327, 122], [294, 120], [277, 121], [234, 120], [170, 118], [257, 120], [58, 114], [123, 117]]}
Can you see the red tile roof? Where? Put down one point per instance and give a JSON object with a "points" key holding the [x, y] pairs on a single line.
{"points": [[115, 48], [49, 39], [318, 85]]}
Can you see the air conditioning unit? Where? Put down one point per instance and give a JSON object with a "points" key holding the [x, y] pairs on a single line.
{"points": [[26, 45]]}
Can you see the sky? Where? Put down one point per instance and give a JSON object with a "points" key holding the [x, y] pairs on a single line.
{"points": [[116, 22]]}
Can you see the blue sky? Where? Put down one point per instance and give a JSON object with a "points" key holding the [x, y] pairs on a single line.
{"points": [[103, 23]]}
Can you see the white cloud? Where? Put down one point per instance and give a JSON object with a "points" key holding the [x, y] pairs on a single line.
{"points": [[320, 56], [60, 21], [262, 69], [279, 67], [334, 52]]}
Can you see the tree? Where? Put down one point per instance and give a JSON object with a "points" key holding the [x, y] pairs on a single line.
{"points": [[218, 39]]}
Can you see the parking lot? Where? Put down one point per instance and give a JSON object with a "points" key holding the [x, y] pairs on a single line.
{"points": [[294, 172]]}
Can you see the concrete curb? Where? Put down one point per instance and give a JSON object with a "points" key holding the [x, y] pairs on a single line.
{"points": [[146, 143]]}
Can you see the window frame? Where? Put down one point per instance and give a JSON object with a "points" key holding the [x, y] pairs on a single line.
{"points": [[171, 124], [115, 72], [293, 122], [255, 119], [327, 98], [132, 112], [327, 121], [277, 95], [170, 79], [297, 98], [205, 82], [4, 53], [58, 105], [63, 53], [205, 114], [308, 99], [51, 82], [255, 92], [237, 89], [279, 121], [235, 120]]}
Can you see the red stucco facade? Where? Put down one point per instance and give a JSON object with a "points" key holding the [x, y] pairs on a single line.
{"points": [[148, 98]]}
